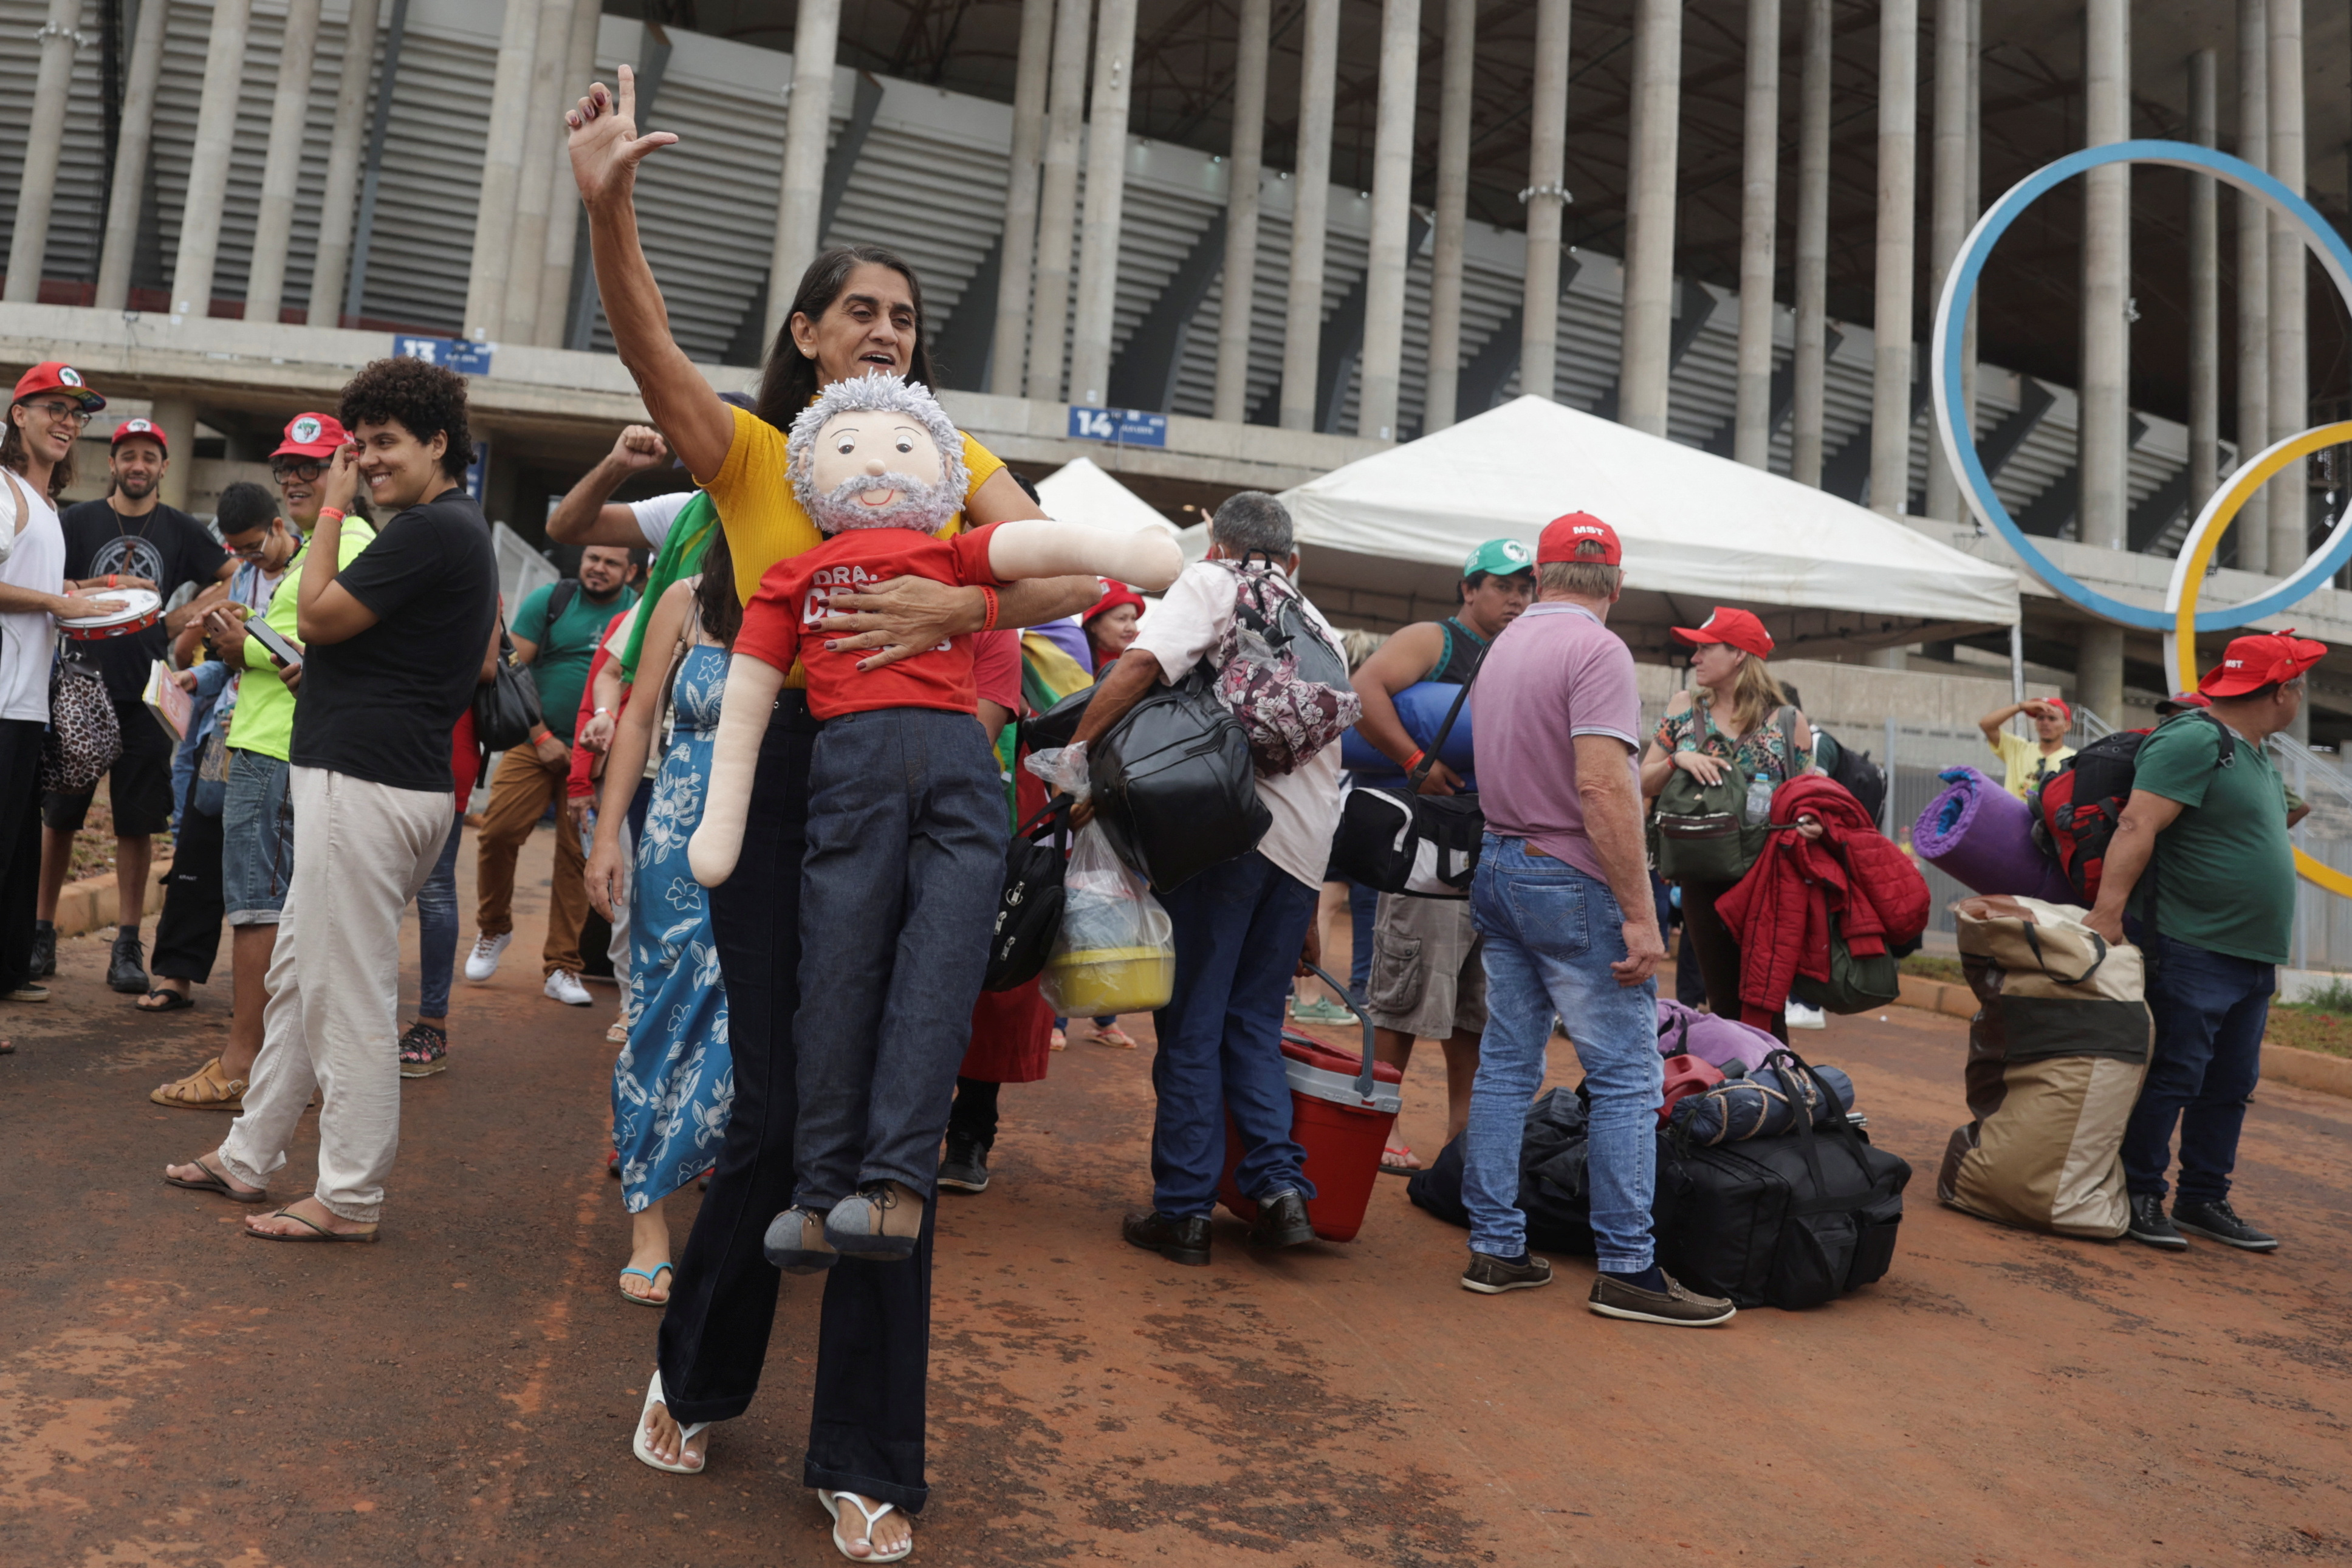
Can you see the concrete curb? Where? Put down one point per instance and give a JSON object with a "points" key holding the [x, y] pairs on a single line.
{"points": [[90, 905], [2313, 1070]]}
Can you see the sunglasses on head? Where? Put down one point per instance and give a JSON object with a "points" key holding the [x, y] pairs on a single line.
{"points": [[303, 468]]}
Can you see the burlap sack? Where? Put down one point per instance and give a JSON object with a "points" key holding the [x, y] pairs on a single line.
{"points": [[2056, 1053]]}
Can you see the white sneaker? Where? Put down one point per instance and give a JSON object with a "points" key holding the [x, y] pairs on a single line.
{"points": [[483, 961], [1798, 1016], [563, 986]]}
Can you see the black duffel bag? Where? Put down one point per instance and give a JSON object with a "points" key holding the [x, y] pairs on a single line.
{"points": [[1554, 1192], [1401, 840], [1029, 909], [507, 710], [1174, 787], [1790, 1222]]}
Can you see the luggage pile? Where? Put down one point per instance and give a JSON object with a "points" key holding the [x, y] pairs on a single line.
{"points": [[2056, 1053]]}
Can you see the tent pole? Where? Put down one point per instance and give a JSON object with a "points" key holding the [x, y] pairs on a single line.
{"points": [[2017, 661]]}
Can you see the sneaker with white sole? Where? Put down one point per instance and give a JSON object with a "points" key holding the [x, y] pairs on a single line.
{"points": [[564, 987], [483, 961]]}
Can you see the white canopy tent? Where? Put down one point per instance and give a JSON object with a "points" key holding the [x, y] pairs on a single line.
{"points": [[1080, 492], [1383, 539]]}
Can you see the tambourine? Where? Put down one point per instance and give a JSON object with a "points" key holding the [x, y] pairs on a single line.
{"points": [[141, 608]]}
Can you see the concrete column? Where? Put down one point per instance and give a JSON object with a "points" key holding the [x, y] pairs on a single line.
{"points": [[535, 186], [29, 242], [1018, 248], [2103, 442], [176, 417], [1751, 428], [192, 271], [1244, 169], [2290, 323], [1812, 272], [2099, 671], [1546, 196], [1106, 202], [1650, 187], [134, 142], [808, 135], [494, 210], [1898, 179], [2253, 529], [1383, 352], [563, 200], [281, 167], [1302, 337], [1440, 392], [2204, 291], [337, 210], [1950, 211], [1058, 197]]}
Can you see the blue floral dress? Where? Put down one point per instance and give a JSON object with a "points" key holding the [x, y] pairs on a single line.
{"points": [[673, 1083]]}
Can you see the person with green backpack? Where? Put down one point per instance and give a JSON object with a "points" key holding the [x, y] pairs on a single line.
{"points": [[1725, 745]]}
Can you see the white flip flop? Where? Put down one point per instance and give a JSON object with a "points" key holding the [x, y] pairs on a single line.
{"points": [[832, 1502], [643, 1450]]}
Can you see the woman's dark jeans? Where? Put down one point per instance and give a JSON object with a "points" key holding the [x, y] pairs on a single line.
{"points": [[436, 929]]}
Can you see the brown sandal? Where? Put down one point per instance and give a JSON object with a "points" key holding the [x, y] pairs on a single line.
{"points": [[204, 1089], [217, 1182]]}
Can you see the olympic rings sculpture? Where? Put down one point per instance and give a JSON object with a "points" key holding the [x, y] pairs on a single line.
{"points": [[2181, 615]]}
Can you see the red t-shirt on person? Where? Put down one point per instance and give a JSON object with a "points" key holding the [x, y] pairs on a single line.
{"points": [[796, 595]]}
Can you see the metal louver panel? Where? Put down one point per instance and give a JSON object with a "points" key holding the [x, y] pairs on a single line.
{"points": [[78, 214]]}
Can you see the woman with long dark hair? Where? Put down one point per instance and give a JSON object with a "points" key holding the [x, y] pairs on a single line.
{"points": [[856, 311]]}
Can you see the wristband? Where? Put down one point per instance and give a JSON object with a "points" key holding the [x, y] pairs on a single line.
{"points": [[600, 713], [113, 580], [331, 514], [988, 596], [1414, 760]]}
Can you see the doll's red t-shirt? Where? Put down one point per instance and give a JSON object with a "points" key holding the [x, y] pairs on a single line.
{"points": [[779, 624]]}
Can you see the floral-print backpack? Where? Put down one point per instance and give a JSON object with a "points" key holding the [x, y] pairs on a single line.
{"points": [[1278, 675]]}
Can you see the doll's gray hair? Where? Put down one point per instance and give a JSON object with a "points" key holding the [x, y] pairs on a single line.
{"points": [[876, 392]]}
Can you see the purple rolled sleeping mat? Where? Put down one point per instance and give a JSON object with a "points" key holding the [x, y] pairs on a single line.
{"points": [[1981, 836]]}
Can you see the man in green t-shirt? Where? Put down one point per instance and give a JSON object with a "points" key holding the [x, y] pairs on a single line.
{"points": [[2202, 862], [555, 631]]}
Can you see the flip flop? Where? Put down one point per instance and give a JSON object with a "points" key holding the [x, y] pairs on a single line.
{"points": [[323, 1234], [832, 1502], [644, 1451], [172, 1001], [650, 1276], [215, 1182], [1399, 1153]]}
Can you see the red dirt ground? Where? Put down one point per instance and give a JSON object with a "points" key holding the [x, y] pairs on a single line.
{"points": [[173, 1395]]}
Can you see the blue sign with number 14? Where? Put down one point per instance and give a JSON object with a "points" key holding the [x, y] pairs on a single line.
{"points": [[1126, 427]]}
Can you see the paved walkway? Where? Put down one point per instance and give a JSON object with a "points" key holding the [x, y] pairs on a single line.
{"points": [[172, 1394]]}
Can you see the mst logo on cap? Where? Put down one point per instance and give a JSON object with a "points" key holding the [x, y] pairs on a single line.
{"points": [[304, 430], [69, 376], [1564, 538], [142, 427]]}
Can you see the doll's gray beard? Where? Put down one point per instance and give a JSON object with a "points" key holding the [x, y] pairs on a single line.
{"points": [[920, 506]]}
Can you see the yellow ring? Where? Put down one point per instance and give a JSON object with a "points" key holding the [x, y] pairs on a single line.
{"points": [[2234, 496]]}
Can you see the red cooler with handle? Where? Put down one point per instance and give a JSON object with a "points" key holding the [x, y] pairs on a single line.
{"points": [[1342, 1110]]}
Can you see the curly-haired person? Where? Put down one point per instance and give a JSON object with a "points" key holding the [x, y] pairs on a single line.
{"points": [[393, 644]]}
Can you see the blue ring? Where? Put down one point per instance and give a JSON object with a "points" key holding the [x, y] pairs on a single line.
{"points": [[1951, 321]]}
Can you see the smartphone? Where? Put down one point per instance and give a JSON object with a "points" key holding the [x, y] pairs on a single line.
{"points": [[288, 656]]}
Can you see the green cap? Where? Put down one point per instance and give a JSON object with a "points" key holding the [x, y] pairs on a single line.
{"points": [[1501, 557]]}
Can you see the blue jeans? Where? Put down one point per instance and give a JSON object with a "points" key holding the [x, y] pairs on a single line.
{"points": [[903, 867], [257, 838], [1239, 928], [436, 929], [1551, 931], [2210, 1010]]}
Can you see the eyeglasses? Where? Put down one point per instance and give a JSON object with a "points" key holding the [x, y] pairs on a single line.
{"points": [[63, 413], [306, 469]]}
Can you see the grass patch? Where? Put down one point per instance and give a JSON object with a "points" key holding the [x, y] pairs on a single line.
{"points": [[2309, 1028], [1931, 966]]}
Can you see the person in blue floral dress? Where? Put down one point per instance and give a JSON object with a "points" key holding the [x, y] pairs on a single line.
{"points": [[674, 1082]]}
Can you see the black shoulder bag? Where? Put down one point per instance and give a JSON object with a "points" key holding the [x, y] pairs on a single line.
{"points": [[1401, 840], [1029, 909], [507, 710]]}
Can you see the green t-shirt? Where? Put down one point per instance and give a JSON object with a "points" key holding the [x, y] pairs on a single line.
{"points": [[2224, 871], [565, 649], [265, 708]]}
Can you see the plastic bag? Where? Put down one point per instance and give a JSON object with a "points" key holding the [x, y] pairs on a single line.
{"points": [[1064, 768], [1117, 949]]}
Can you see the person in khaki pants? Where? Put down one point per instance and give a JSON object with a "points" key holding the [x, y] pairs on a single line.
{"points": [[556, 629]]}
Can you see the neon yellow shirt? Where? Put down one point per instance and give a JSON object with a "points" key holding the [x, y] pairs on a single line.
{"points": [[265, 708]]}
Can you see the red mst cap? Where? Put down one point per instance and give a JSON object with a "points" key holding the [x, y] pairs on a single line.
{"points": [[1115, 593], [146, 427], [311, 435], [54, 375], [2181, 702], [1562, 534], [2250, 664], [1733, 628], [2062, 705]]}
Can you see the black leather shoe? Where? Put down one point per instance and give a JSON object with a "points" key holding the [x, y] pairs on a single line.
{"points": [[45, 949], [2148, 1224], [126, 971], [2216, 1221], [1281, 1220], [1184, 1241], [964, 1168]]}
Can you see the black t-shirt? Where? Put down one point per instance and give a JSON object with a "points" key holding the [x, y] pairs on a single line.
{"points": [[380, 706], [166, 547]]}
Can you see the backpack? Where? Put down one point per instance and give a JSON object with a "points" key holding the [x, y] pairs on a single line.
{"points": [[1700, 832], [1277, 674], [1865, 780], [1029, 908], [2077, 808], [1855, 984]]}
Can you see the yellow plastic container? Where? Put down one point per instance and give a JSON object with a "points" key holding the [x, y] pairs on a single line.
{"points": [[1095, 982]]}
